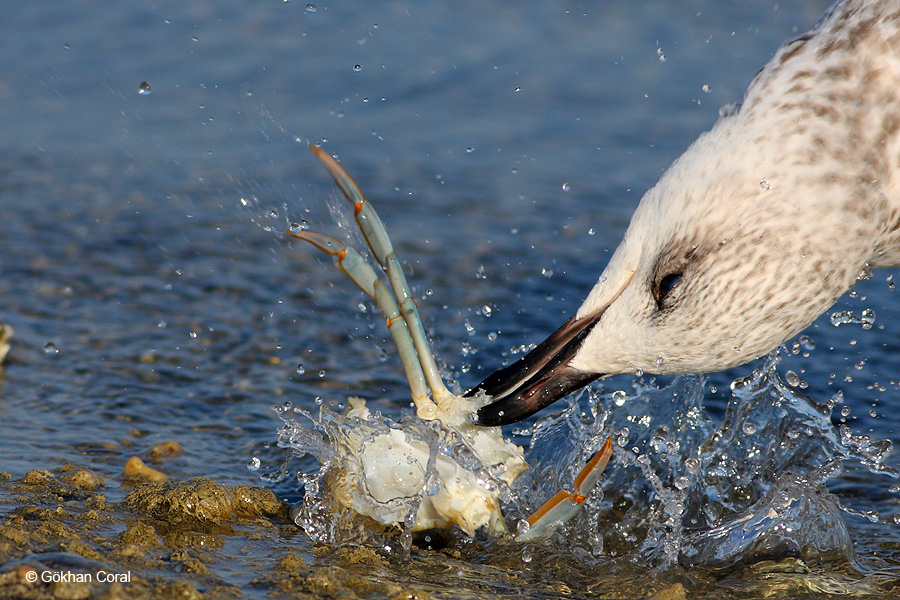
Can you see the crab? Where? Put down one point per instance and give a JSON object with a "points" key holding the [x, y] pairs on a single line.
{"points": [[390, 472]]}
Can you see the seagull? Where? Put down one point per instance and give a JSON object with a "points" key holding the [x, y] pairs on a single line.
{"points": [[757, 229]]}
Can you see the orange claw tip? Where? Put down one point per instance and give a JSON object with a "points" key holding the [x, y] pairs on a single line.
{"points": [[325, 243], [341, 177], [565, 505], [594, 468]]}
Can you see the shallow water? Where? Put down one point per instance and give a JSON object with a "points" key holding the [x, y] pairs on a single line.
{"points": [[155, 298]]}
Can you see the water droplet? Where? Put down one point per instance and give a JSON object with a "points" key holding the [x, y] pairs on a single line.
{"points": [[845, 411], [144, 89], [273, 213], [301, 369], [692, 466], [486, 310], [661, 55], [319, 400], [748, 428], [322, 373], [311, 8], [523, 526], [868, 318], [639, 372], [492, 336], [591, 231], [659, 361], [807, 343], [357, 68], [792, 379], [619, 397], [470, 150], [303, 225], [765, 185], [253, 464], [682, 483], [705, 88], [565, 186], [873, 413], [50, 348]]}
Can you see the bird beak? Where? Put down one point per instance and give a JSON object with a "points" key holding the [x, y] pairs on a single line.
{"points": [[539, 379], [545, 374]]}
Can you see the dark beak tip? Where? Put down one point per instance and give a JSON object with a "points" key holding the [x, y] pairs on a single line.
{"points": [[527, 400], [489, 416], [536, 380]]}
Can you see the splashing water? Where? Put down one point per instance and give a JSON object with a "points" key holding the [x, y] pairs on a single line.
{"points": [[680, 489], [750, 489], [352, 447]]}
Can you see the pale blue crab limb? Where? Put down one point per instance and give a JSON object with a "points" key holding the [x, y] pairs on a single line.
{"points": [[355, 267], [563, 506], [373, 230]]}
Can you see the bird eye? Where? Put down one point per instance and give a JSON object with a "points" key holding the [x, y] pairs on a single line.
{"points": [[666, 285]]}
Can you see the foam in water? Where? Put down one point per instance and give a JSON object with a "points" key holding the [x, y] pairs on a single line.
{"points": [[681, 488], [381, 478]]}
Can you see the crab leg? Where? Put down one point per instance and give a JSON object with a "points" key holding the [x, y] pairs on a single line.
{"points": [[376, 236], [564, 505], [355, 267]]}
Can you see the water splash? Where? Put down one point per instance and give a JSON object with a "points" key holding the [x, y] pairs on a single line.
{"points": [[349, 501], [685, 489], [681, 488], [750, 488]]}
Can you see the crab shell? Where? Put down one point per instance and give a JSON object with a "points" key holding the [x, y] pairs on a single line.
{"points": [[387, 472]]}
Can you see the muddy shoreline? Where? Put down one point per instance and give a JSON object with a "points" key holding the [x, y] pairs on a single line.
{"points": [[60, 538]]}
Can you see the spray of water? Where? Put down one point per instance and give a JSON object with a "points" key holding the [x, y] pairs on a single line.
{"points": [[681, 487]]}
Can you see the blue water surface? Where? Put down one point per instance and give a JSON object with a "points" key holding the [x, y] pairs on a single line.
{"points": [[152, 154]]}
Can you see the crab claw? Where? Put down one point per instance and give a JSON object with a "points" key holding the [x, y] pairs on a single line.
{"points": [[564, 505]]}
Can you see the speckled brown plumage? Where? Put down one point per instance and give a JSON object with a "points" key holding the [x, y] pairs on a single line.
{"points": [[756, 230], [771, 215]]}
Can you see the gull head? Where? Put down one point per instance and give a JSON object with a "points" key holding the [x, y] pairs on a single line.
{"points": [[760, 226], [729, 255]]}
